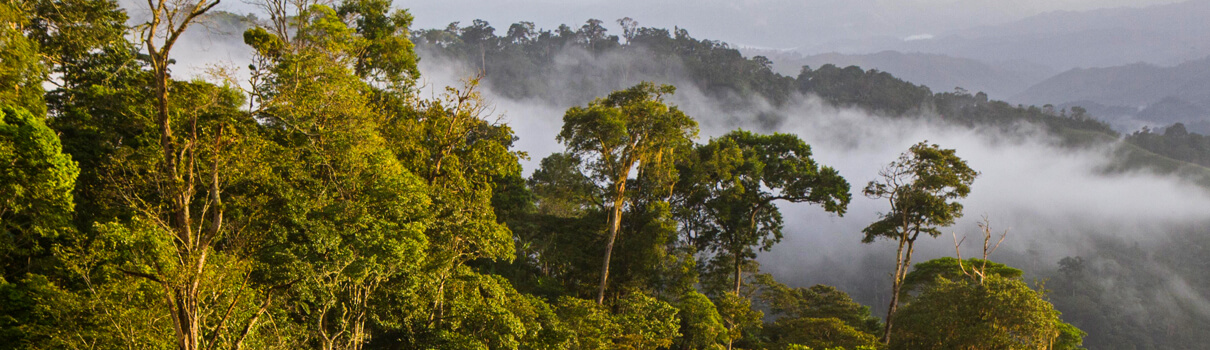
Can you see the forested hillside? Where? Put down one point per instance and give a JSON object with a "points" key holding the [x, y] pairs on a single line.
{"points": [[571, 65], [325, 202], [1105, 298], [999, 79]]}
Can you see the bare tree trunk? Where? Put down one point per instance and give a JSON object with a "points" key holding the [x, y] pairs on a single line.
{"points": [[182, 294], [615, 223], [895, 285], [903, 263]]}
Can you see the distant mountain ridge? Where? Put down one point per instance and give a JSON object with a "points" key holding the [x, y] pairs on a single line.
{"points": [[938, 72], [1147, 93], [1161, 34]]}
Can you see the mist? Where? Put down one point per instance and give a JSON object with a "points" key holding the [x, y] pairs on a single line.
{"points": [[819, 25], [1054, 201]]}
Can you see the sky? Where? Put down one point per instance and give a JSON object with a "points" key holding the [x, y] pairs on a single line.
{"points": [[773, 24]]}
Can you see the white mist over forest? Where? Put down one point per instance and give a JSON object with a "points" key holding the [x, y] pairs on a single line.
{"points": [[392, 174], [1054, 201]]}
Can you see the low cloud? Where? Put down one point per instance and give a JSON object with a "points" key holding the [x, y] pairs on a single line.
{"points": [[1054, 201]]}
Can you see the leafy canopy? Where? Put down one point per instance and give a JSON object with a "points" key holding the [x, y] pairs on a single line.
{"points": [[921, 186]]}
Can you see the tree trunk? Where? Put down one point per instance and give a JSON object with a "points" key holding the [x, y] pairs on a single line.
{"points": [[182, 294], [903, 263], [615, 223], [895, 285], [739, 265], [739, 259]]}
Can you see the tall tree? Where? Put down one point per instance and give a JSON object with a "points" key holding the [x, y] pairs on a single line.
{"points": [[194, 235], [36, 181], [735, 184], [921, 187], [740, 319], [22, 73], [352, 218], [628, 129]]}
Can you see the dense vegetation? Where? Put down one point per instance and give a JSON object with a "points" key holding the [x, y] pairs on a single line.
{"points": [[332, 206], [571, 65], [1175, 142]]}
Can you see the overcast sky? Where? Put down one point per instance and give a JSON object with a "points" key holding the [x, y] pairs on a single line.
{"points": [[760, 23]]}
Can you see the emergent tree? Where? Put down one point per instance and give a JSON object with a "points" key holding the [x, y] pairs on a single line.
{"points": [[628, 129], [921, 187]]}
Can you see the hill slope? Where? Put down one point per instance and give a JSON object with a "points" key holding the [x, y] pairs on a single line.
{"points": [[939, 72], [1150, 94]]}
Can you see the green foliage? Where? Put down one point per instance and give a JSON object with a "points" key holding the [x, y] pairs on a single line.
{"points": [[562, 188], [730, 187], [589, 322], [628, 129], [1175, 142], [817, 317], [490, 314], [36, 181], [388, 57], [920, 186], [743, 323], [355, 223], [334, 207], [875, 90], [819, 301], [22, 73], [925, 273], [818, 333], [518, 64], [962, 108], [1000, 313], [701, 325], [641, 322], [645, 322]]}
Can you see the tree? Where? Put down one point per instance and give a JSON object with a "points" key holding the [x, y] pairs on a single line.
{"points": [[592, 33], [819, 301], [36, 181], [819, 317], [629, 27], [738, 317], [628, 129], [351, 234], [735, 183], [562, 188], [923, 274], [590, 323], [645, 322], [999, 313], [977, 303], [169, 20], [701, 325], [388, 58], [521, 33], [22, 73], [921, 187]]}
